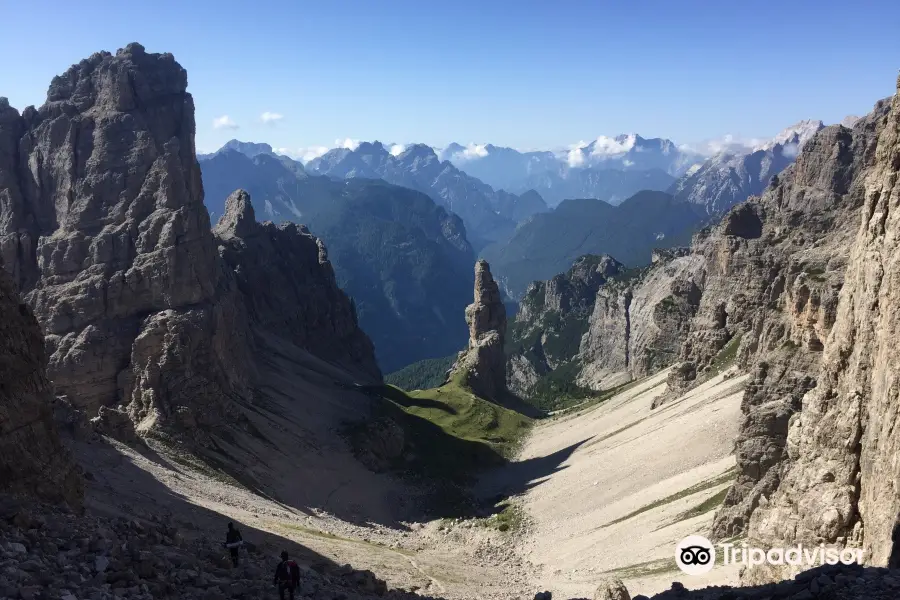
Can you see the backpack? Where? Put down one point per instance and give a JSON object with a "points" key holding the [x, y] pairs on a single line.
{"points": [[287, 573]]}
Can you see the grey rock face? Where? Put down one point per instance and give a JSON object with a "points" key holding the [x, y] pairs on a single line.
{"points": [[730, 178], [288, 287], [483, 364], [638, 325], [106, 223], [552, 318], [840, 486], [32, 457], [612, 589], [772, 271], [103, 228]]}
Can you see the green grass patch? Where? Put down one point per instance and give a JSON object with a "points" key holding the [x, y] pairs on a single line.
{"points": [[726, 356], [463, 415], [450, 434], [645, 569], [710, 504], [708, 484], [508, 520]]}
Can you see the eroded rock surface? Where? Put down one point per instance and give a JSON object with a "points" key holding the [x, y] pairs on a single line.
{"points": [[483, 364], [840, 484], [104, 230], [32, 457], [288, 287]]}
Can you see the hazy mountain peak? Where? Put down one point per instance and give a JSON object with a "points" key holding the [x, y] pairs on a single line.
{"points": [[799, 133]]}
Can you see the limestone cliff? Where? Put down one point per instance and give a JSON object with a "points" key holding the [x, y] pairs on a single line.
{"points": [[553, 316], [288, 287], [104, 229], [839, 485], [600, 324], [772, 272], [32, 458], [637, 326], [483, 364]]}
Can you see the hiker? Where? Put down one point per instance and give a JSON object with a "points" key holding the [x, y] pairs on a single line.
{"points": [[233, 541], [287, 576]]}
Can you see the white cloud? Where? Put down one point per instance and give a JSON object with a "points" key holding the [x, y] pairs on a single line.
{"points": [[348, 143], [627, 163], [270, 117], [397, 149], [791, 150], [311, 152], [726, 143], [303, 154], [606, 146], [475, 151], [575, 155], [224, 122]]}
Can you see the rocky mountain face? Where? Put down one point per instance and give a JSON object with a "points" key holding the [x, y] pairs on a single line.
{"points": [[730, 177], [773, 270], [483, 364], [837, 484], [288, 286], [248, 149], [552, 318], [549, 243], [104, 231], [638, 325], [489, 214], [33, 460], [404, 260], [600, 324]]}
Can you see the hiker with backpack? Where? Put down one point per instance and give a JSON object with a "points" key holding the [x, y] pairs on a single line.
{"points": [[287, 576], [233, 541]]}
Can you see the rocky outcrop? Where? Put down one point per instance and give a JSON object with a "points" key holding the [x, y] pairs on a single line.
{"points": [[288, 287], [109, 239], [33, 460], [483, 364], [637, 326], [551, 320], [604, 324], [104, 229], [772, 272], [839, 485], [612, 589]]}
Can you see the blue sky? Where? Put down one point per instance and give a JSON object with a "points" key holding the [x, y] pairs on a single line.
{"points": [[526, 74]]}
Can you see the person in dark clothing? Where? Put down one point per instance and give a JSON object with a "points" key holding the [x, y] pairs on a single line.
{"points": [[287, 576], [233, 542]]}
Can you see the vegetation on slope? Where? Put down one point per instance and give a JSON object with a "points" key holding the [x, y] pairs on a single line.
{"points": [[450, 433], [422, 375]]}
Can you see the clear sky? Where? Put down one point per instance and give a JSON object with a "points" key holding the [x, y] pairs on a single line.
{"points": [[523, 73]]}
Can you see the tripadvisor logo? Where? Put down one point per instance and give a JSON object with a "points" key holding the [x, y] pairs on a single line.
{"points": [[696, 555]]}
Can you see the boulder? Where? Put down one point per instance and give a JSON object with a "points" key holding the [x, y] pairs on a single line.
{"points": [[611, 589]]}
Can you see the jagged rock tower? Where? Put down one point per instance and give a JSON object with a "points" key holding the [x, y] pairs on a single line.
{"points": [[483, 364], [104, 232]]}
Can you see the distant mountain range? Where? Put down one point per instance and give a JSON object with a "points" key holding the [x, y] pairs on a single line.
{"points": [[403, 259], [731, 177], [499, 192], [610, 169], [489, 215]]}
